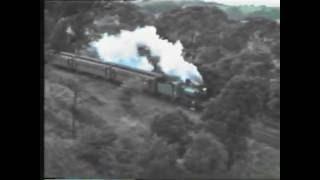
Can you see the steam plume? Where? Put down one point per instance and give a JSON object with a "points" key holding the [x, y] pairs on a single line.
{"points": [[123, 49]]}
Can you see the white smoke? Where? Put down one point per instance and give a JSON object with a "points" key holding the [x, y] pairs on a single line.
{"points": [[122, 49]]}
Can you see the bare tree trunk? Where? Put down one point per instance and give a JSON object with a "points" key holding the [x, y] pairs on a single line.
{"points": [[73, 111]]}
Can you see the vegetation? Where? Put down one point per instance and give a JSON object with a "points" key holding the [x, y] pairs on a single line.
{"points": [[234, 12], [174, 128], [240, 64], [205, 157]]}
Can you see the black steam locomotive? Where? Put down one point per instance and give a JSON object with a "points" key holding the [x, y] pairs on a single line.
{"points": [[186, 93]]}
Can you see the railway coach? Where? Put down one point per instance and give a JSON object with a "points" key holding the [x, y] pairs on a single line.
{"points": [[154, 83]]}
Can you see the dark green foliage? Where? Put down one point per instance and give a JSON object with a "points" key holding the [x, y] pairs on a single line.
{"points": [[159, 160], [242, 33], [97, 138], [235, 42], [49, 25], [233, 11], [87, 117], [210, 55], [173, 126], [276, 50], [62, 15], [238, 128], [240, 100], [214, 80], [274, 101], [205, 156], [264, 26], [244, 86], [58, 37], [246, 94], [68, 8], [218, 74], [258, 65], [93, 147], [180, 24], [60, 160]]}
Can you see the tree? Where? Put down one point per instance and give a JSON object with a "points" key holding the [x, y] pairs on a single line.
{"points": [[274, 101], [205, 156], [213, 79], [64, 9], [209, 55], [259, 64], [174, 127], [94, 146], [61, 161], [58, 39], [242, 99], [62, 16], [159, 160], [238, 128], [48, 26], [77, 90], [246, 94], [79, 24], [276, 50]]}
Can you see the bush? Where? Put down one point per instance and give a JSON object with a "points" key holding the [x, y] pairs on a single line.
{"points": [[174, 127], [205, 155], [60, 161]]}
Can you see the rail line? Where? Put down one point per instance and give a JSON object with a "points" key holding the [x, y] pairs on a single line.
{"points": [[259, 133]]}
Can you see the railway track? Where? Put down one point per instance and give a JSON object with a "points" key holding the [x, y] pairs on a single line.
{"points": [[260, 134]]}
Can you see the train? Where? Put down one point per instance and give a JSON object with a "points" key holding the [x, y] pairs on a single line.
{"points": [[155, 83]]}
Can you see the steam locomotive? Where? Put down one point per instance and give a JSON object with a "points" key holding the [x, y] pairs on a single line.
{"points": [[154, 83]]}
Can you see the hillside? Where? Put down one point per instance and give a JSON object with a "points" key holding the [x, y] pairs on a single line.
{"points": [[233, 12], [95, 128]]}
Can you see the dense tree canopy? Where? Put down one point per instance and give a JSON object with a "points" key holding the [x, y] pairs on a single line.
{"points": [[174, 127], [205, 155], [240, 101], [243, 82]]}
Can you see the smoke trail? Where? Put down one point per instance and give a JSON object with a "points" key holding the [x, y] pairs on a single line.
{"points": [[122, 49]]}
